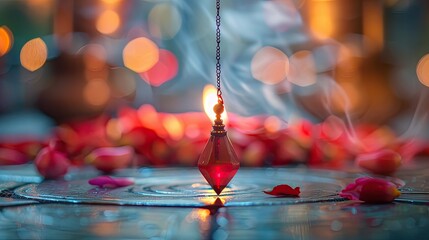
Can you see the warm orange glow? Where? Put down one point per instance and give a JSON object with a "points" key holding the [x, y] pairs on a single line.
{"points": [[113, 129], [209, 100], [423, 70], [108, 22], [215, 199], [174, 127], [373, 27], [6, 40], [302, 69], [34, 54], [111, 2], [105, 229], [199, 214], [140, 54], [164, 21], [270, 65], [272, 124], [96, 92], [322, 15]]}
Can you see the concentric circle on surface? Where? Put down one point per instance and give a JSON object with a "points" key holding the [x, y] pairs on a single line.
{"points": [[186, 187]]}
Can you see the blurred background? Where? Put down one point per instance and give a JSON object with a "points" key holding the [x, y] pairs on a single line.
{"points": [[362, 61]]}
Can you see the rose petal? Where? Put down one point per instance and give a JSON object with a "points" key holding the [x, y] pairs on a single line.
{"points": [[11, 157], [51, 163], [109, 159], [108, 182], [284, 190], [371, 190], [383, 162]]}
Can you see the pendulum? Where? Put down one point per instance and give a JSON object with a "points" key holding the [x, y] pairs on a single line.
{"points": [[218, 162]]}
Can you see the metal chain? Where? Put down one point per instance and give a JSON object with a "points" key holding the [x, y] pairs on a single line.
{"points": [[218, 71]]}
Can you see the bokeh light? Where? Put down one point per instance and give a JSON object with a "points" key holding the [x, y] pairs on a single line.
{"points": [[423, 70], [164, 70], [209, 100], [140, 54], [270, 65], [164, 21], [174, 127], [34, 54], [96, 92], [322, 20], [302, 69], [6, 40], [273, 124], [108, 22], [111, 2]]}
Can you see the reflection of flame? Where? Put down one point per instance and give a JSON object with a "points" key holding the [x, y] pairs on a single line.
{"points": [[209, 100], [214, 201]]}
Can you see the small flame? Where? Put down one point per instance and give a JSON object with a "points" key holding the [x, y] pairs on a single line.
{"points": [[209, 100]]}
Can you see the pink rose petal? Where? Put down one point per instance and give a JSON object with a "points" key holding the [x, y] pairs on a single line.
{"points": [[383, 162], [108, 159], [11, 157], [108, 182], [51, 163], [371, 190]]}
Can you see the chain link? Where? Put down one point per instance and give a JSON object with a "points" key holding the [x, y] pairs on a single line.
{"points": [[218, 71]]}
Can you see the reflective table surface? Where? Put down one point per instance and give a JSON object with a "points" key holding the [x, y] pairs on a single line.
{"points": [[176, 203]]}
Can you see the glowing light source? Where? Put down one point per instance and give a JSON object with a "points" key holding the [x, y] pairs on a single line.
{"points": [[322, 15], [270, 65], [34, 54], [96, 92], [108, 22], [209, 100], [140, 54], [302, 69], [164, 70], [164, 21], [111, 2], [6, 40], [423, 70]]}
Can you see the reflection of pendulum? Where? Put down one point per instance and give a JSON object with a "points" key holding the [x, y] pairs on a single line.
{"points": [[218, 162], [217, 220]]}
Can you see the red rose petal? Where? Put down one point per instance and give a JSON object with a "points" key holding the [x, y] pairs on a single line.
{"points": [[371, 190], [108, 182], [284, 190]]}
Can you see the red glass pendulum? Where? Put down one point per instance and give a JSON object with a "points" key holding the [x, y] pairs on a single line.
{"points": [[218, 162]]}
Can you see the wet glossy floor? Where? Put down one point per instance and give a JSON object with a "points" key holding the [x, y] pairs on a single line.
{"points": [[176, 204]]}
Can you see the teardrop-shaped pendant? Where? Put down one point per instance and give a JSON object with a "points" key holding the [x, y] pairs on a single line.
{"points": [[218, 162]]}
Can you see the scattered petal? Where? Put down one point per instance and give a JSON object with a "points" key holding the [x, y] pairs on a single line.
{"points": [[11, 157], [108, 182], [383, 162], [108, 159], [371, 190], [284, 190], [51, 163]]}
